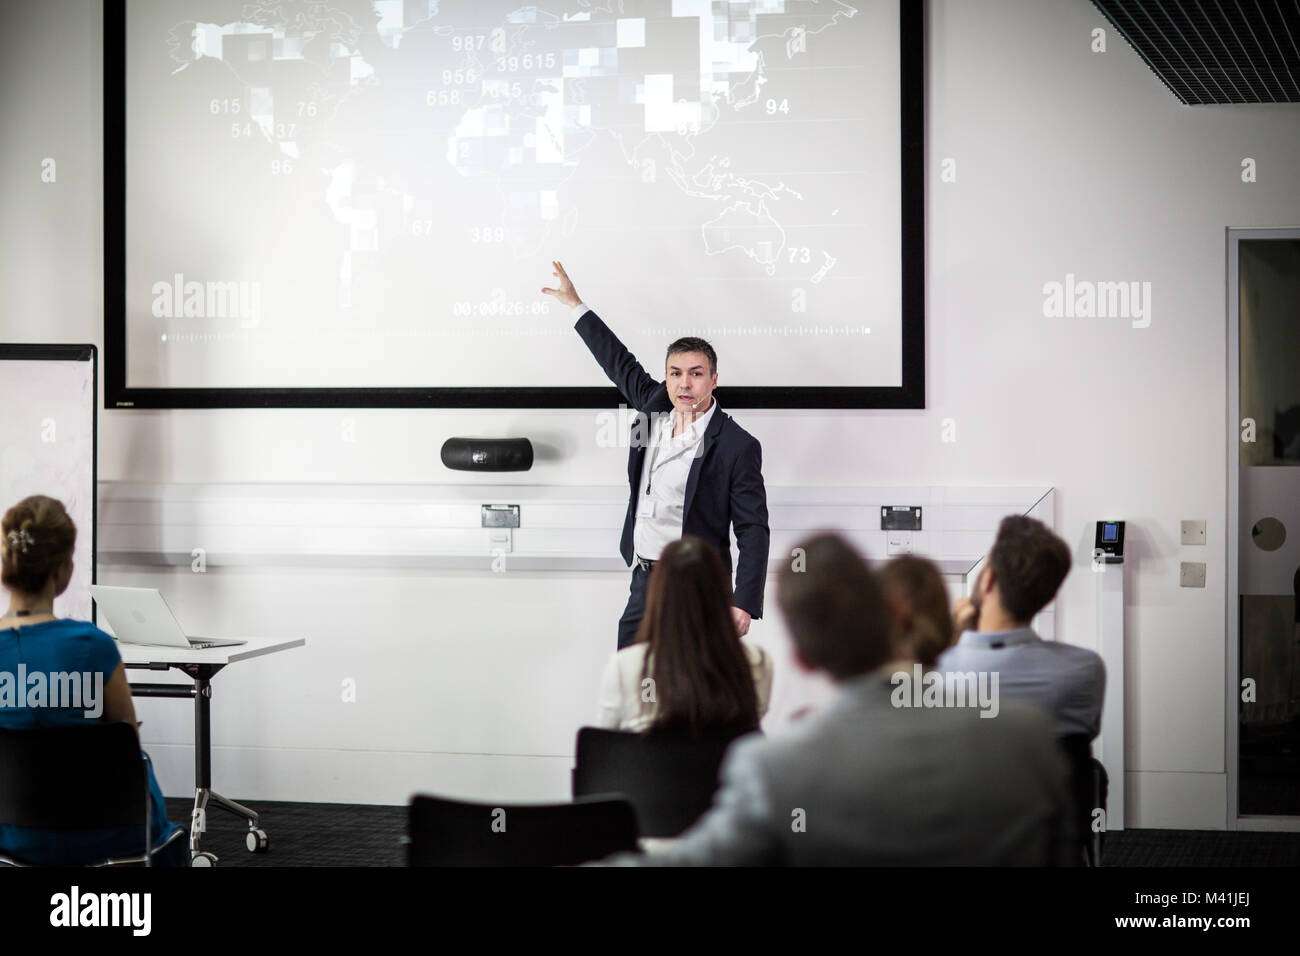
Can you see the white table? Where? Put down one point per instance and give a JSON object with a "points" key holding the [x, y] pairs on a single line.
{"points": [[200, 665]]}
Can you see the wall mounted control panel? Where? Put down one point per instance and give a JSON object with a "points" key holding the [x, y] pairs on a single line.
{"points": [[1109, 545]]}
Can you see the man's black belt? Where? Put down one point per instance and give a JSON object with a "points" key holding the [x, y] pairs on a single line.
{"points": [[645, 563]]}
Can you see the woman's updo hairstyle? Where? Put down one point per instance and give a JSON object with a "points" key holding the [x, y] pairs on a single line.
{"points": [[36, 536]]}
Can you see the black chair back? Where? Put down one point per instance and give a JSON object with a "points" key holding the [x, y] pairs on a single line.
{"points": [[456, 833], [1100, 790], [1089, 787], [72, 778], [669, 778]]}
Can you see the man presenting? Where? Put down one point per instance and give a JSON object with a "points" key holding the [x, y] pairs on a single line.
{"points": [[704, 473]]}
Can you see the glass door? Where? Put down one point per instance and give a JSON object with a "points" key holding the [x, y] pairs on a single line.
{"points": [[1265, 598]]}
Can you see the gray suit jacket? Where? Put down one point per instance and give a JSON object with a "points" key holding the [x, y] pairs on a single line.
{"points": [[865, 783]]}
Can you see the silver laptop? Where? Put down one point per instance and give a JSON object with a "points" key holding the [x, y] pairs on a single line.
{"points": [[141, 616]]}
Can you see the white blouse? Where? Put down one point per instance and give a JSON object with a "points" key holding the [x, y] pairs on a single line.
{"points": [[620, 706]]}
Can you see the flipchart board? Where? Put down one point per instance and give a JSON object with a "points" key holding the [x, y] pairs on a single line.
{"points": [[49, 396]]}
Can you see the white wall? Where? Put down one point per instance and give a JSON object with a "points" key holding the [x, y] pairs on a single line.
{"points": [[1067, 162]]}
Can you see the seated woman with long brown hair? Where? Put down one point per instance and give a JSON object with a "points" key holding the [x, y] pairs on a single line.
{"points": [[689, 670]]}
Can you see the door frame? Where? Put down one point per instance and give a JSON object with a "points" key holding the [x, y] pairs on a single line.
{"points": [[1235, 821]]}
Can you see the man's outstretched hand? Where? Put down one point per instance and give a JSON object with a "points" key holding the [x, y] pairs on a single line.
{"points": [[566, 293]]}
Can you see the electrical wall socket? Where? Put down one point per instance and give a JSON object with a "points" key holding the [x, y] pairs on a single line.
{"points": [[500, 539], [1191, 574], [898, 542], [1193, 532]]}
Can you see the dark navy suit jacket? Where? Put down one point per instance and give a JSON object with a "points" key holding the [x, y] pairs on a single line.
{"points": [[725, 485]]}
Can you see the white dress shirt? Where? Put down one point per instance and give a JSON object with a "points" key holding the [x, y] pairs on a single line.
{"points": [[661, 495]]}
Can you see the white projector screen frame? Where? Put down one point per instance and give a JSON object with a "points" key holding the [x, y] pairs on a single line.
{"points": [[120, 392]]}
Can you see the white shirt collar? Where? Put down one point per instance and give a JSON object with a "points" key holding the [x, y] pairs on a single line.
{"points": [[997, 639], [695, 430]]}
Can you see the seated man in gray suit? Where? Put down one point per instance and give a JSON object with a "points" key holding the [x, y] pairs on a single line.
{"points": [[872, 778], [1024, 571]]}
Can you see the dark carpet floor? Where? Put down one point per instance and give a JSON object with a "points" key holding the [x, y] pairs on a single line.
{"points": [[305, 834], [1201, 848], [331, 834]]}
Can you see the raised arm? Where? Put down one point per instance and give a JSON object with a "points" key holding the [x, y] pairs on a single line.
{"points": [[619, 365]]}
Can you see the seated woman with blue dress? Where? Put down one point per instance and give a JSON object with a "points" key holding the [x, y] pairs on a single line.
{"points": [[36, 546]]}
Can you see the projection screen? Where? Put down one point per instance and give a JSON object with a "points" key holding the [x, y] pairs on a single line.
{"points": [[357, 203]]}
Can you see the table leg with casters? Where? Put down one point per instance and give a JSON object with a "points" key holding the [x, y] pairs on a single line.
{"points": [[199, 823], [204, 796]]}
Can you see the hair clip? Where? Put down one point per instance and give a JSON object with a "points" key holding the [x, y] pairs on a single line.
{"points": [[21, 540]]}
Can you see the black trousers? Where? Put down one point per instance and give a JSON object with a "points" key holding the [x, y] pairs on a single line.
{"points": [[635, 609]]}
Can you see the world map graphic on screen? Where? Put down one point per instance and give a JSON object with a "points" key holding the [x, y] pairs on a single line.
{"points": [[370, 194]]}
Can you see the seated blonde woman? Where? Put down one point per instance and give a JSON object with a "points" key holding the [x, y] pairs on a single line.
{"points": [[37, 540], [919, 598], [688, 671]]}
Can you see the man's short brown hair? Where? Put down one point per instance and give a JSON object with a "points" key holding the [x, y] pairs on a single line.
{"points": [[836, 611], [1029, 563], [692, 344]]}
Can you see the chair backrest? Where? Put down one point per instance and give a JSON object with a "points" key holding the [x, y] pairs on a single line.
{"points": [[1088, 786], [669, 778], [456, 833], [1100, 790], [72, 778]]}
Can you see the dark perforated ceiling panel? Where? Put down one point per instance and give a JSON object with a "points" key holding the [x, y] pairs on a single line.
{"points": [[1215, 51]]}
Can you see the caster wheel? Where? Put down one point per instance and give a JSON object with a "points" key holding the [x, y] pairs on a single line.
{"points": [[203, 858], [257, 841]]}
